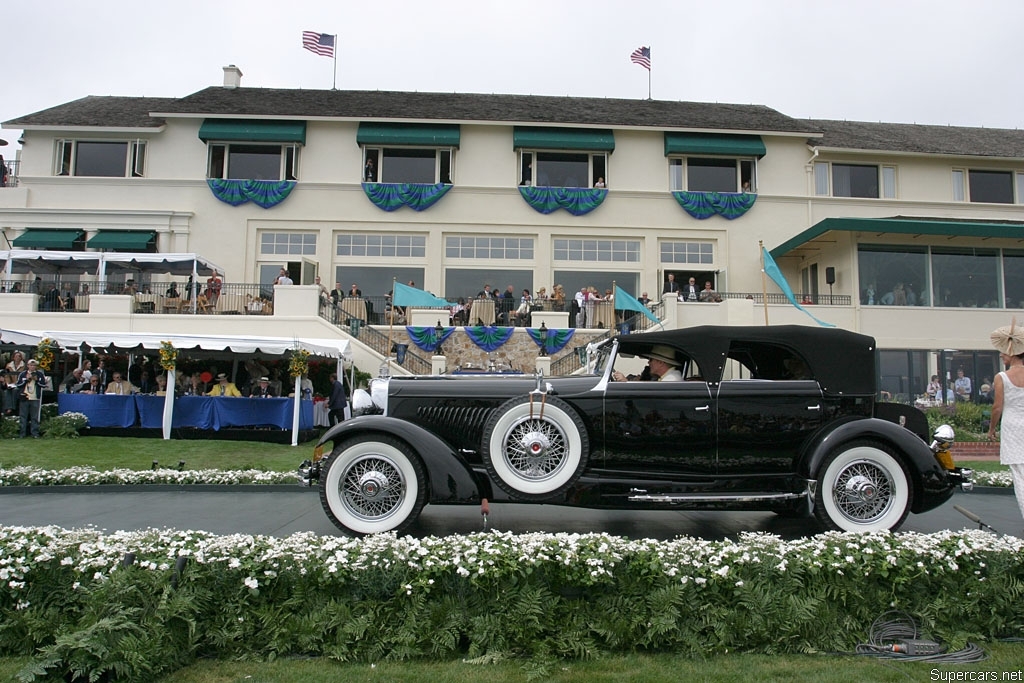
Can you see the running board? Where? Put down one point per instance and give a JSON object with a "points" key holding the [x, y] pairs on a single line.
{"points": [[641, 496]]}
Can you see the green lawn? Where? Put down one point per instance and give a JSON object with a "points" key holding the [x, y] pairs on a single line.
{"points": [[109, 452], [1003, 658]]}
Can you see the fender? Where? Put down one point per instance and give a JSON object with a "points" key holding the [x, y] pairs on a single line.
{"points": [[451, 478], [935, 486]]}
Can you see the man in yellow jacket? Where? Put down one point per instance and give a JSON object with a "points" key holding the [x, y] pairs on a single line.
{"points": [[224, 388]]}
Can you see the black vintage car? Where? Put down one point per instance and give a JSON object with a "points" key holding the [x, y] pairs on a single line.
{"points": [[761, 418]]}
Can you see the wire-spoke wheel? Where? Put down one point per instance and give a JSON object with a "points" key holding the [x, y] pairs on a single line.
{"points": [[372, 484], [535, 449], [862, 487]]}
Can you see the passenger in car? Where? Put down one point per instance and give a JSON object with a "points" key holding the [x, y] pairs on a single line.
{"points": [[662, 366]]}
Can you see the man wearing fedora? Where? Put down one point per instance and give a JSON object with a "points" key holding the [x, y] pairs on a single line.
{"points": [[263, 389], [223, 387], [662, 366]]}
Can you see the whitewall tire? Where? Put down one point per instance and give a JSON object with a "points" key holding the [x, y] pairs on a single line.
{"points": [[535, 450], [862, 487], [372, 484]]}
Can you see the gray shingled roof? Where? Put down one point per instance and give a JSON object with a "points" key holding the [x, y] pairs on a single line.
{"points": [[920, 139], [355, 104], [108, 111]]}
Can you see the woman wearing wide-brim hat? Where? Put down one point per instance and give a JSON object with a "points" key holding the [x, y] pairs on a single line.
{"points": [[1008, 404]]}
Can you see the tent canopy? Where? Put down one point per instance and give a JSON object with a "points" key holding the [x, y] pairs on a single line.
{"points": [[90, 262], [271, 346]]}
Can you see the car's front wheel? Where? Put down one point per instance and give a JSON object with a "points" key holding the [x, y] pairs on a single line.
{"points": [[372, 484], [862, 487], [535, 449]]}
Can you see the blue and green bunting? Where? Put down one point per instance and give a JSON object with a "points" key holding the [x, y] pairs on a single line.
{"points": [[427, 338], [703, 205], [392, 196], [489, 337], [555, 340], [265, 193], [576, 200]]}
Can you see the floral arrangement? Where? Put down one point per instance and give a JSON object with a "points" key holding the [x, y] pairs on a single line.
{"points": [[45, 354], [299, 363], [495, 594], [89, 476], [168, 355], [63, 426]]}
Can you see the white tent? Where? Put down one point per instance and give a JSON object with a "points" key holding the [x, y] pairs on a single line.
{"points": [[271, 346], [99, 263]]}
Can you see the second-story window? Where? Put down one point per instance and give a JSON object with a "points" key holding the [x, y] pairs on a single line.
{"points": [[563, 169], [248, 161], [994, 187], [101, 158], [407, 165], [854, 180], [711, 174]]}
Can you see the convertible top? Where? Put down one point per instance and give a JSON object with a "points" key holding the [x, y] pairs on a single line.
{"points": [[842, 362]]}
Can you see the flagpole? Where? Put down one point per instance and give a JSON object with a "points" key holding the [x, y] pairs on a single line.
{"points": [[649, 75], [334, 83], [764, 285], [391, 323]]}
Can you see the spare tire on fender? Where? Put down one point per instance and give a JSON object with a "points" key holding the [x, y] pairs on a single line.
{"points": [[535, 449]]}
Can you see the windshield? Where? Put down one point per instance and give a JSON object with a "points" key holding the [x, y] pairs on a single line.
{"points": [[598, 362]]}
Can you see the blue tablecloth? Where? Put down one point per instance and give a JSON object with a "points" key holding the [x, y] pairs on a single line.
{"points": [[200, 412], [102, 410]]}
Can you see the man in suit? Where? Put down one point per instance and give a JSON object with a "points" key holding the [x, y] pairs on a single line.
{"points": [[690, 292], [29, 387], [263, 389], [336, 402], [354, 291], [224, 388], [119, 387], [671, 286]]}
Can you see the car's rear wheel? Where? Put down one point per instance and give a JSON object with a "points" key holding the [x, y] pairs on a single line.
{"points": [[372, 484], [535, 449], [862, 487]]}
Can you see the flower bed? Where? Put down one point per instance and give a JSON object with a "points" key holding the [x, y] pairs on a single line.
{"points": [[139, 604], [78, 476]]}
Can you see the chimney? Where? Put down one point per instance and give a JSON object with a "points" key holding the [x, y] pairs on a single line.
{"points": [[232, 76]]}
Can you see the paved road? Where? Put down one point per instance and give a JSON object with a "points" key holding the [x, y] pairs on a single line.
{"points": [[280, 513]]}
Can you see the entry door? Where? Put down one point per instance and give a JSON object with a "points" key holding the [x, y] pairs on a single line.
{"points": [[309, 271]]}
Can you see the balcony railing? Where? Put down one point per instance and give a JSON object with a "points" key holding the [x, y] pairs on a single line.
{"points": [[10, 179]]}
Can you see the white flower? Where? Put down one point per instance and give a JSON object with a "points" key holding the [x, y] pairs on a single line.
{"points": [[252, 582]]}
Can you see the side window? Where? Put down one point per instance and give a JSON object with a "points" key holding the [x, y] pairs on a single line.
{"points": [[767, 362]]}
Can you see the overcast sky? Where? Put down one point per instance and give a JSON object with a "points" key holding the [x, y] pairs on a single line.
{"points": [[905, 61]]}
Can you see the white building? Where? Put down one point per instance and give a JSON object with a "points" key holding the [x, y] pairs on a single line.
{"points": [[471, 189]]}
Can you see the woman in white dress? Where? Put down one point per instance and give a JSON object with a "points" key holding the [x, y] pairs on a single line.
{"points": [[1008, 404]]}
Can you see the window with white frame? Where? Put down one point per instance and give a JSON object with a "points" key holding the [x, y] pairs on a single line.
{"points": [[488, 247], [870, 181], [990, 186], [252, 161], [376, 245], [421, 165], [287, 244], [688, 251], [712, 174], [563, 169], [101, 158], [597, 251]]}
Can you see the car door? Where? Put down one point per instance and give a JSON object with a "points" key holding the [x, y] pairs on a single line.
{"points": [[762, 423], [659, 427]]}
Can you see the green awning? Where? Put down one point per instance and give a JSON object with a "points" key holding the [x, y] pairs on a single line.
{"points": [[126, 240], [48, 238], [423, 134], [714, 143], [241, 130], [901, 226], [584, 139]]}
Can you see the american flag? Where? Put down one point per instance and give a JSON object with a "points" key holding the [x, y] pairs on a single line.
{"points": [[642, 56], [320, 43]]}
